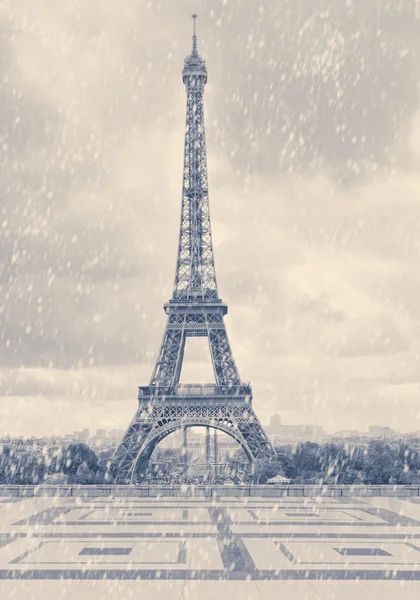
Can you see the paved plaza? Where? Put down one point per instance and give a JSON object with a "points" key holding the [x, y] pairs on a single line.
{"points": [[204, 548]]}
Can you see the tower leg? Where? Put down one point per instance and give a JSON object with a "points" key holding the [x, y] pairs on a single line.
{"points": [[216, 453], [208, 474], [185, 450]]}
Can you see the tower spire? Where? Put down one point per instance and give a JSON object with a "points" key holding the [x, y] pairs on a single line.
{"points": [[194, 40], [195, 277]]}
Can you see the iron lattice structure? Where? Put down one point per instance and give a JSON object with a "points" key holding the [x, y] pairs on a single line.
{"points": [[195, 309]]}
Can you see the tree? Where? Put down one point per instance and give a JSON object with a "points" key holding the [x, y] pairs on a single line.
{"points": [[84, 475], [382, 464], [266, 469], [351, 476], [56, 479], [307, 462], [285, 457], [6, 464], [75, 455], [32, 470], [21, 467]]}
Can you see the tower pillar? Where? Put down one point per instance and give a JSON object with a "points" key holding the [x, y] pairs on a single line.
{"points": [[208, 474], [215, 453], [185, 448]]}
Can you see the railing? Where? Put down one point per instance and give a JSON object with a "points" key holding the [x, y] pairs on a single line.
{"points": [[194, 390], [209, 491], [188, 297]]}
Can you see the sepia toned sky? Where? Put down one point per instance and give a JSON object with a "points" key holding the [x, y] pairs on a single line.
{"points": [[313, 137]]}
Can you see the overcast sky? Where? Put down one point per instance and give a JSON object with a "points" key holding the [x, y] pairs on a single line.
{"points": [[313, 137]]}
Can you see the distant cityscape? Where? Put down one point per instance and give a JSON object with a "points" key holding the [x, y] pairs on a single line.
{"points": [[292, 434], [279, 434], [101, 438], [200, 454]]}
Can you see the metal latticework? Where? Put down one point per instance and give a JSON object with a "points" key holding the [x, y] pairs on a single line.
{"points": [[195, 276], [181, 324], [195, 309], [163, 411]]}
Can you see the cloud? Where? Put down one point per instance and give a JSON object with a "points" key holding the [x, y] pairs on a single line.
{"points": [[313, 145], [316, 88]]}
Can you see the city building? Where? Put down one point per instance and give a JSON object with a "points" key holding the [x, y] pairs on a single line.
{"points": [[378, 431], [275, 421], [81, 436], [347, 433], [280, 434]]}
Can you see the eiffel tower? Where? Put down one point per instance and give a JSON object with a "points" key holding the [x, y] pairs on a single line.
{"points": [[195, 309]]}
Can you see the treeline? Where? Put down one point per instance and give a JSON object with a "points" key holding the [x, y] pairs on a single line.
{"points": [[378, 463], [76, 463]]}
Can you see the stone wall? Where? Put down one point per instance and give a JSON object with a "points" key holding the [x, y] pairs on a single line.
{"points": [[153, 491]]}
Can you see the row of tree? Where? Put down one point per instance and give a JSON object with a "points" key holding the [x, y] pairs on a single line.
{"points": [[378, 463], [75, 463]]}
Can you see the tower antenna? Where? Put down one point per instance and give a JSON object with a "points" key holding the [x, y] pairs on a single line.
{"points": [[194, 48]]}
